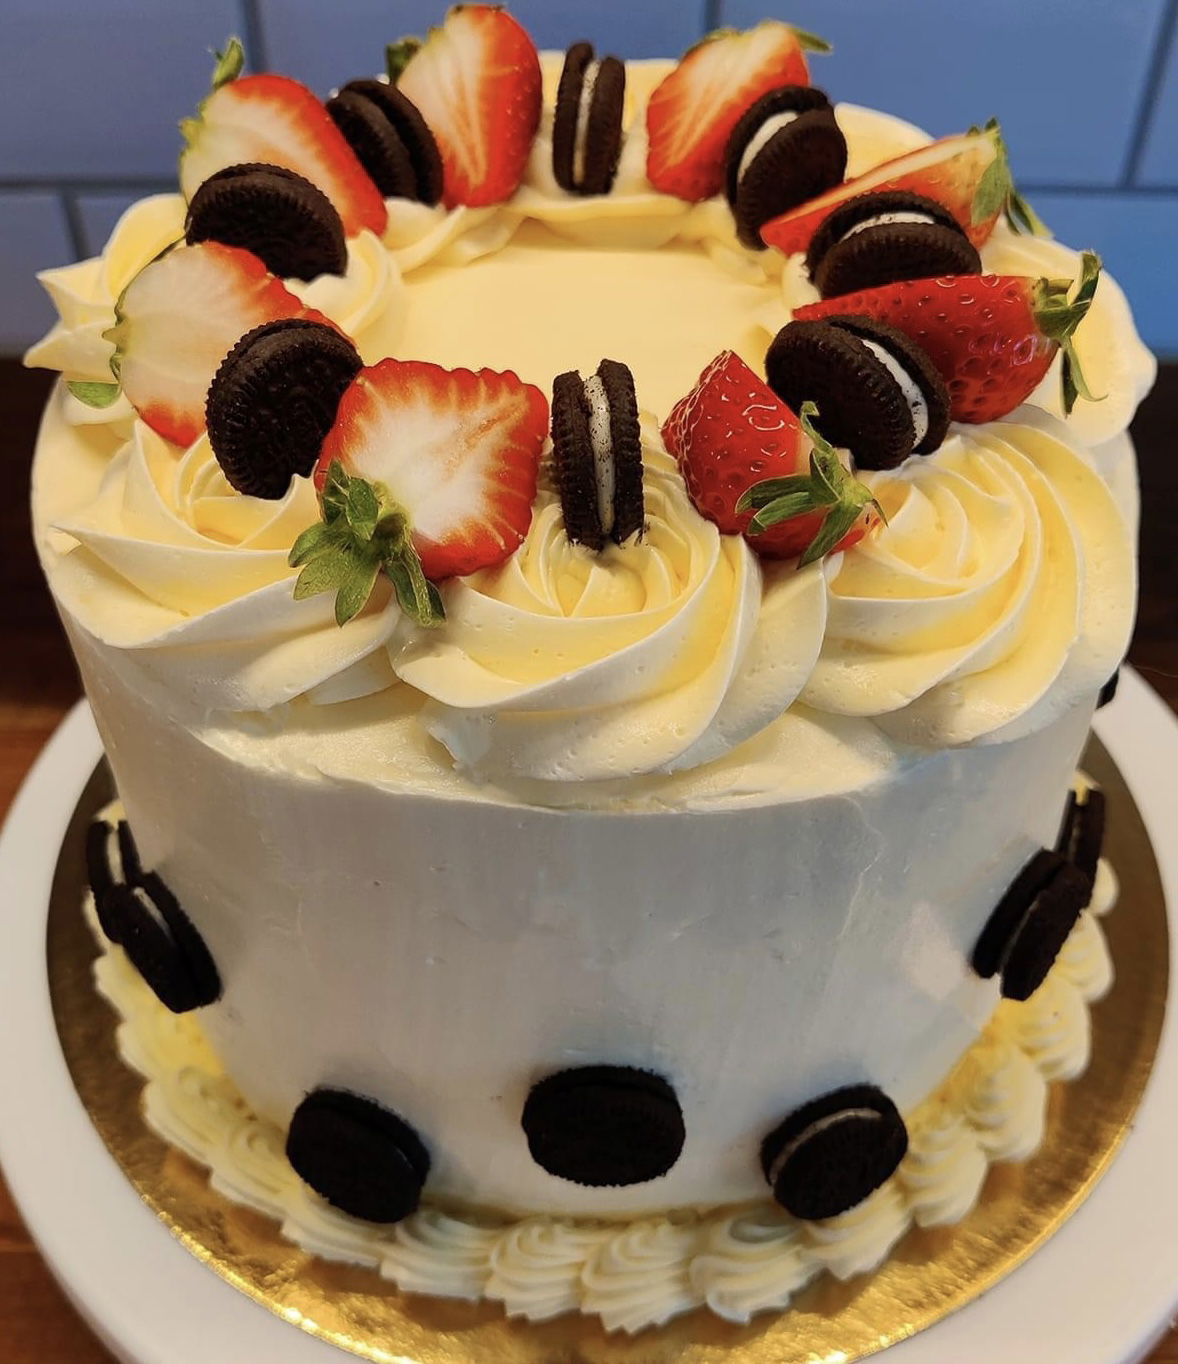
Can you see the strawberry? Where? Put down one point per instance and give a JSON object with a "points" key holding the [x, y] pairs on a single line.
{"points": [[993, 337], [178, 319], [692, 114], [476, 81], [427, 473], [740, 449], [278, 122], [968, 174]]}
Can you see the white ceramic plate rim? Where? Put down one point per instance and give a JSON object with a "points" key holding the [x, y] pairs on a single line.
{"points": [[1101, 1291]]}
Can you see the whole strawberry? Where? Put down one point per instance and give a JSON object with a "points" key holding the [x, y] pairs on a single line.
{"points": [[993, 337], [756, 469]]}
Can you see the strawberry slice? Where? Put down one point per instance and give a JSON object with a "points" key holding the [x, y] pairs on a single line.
{"points": [[476, 81], [178, 319], [968, 174], [427, 473], [993, 337], [276, 121], [742, 451], [693, 112]]}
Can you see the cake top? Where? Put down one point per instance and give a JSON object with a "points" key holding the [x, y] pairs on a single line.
{"points": [[580, 423]]}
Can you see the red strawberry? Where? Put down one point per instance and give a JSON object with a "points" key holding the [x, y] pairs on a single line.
{"points": [[993, 337], [476, 81], [426, 474], [692, 114], [968, 174], [741, 451], [277, 121], [178, 319]]}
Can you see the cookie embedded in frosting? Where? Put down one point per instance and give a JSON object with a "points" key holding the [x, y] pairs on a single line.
{"points": [[163, 944], [875, 239], [604, 1126], [877, 393], [274, 399], [828, 1155], [597, 452], [786, 149], [1081, 836], [359, 1156], [587, 122], [390, 138], [279, 215], [112, 862]]}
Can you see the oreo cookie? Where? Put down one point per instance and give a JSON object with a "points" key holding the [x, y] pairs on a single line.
{"points": [[587, 123], [786, 149], [1081, 835], [112, 862], [357, 1155], [877, 392], [1023, 936], [285, 220], [273, 400], [889, 235], [604, 1126], [597, 455], [390, 138], [831, 1153], [163, 944]]}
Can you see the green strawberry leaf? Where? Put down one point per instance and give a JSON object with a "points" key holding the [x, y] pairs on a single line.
{"points": [[1057, 317], [93, 393], [810, 42], [418, 597], [229, 64], [397, 57], [355, 589], [784, 508], [839, 521]]}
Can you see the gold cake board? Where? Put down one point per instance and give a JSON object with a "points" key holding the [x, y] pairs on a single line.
{"points": [[928, 1275]]}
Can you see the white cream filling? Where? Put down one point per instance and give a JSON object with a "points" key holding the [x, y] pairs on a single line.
{"points": [[152, 908], [588, 88], [908, 387], [762, 137], [601, 439], [814, 1130], [883, 219]]}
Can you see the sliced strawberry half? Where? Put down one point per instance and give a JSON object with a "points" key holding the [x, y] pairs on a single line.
{"points": [[968, 174], [428, 473], [178, 319], [276, 121], [993, 337], [756, 469], [693, 112], [476, 81]]}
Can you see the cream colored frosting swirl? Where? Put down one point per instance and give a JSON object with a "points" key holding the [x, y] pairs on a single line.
{"points": [[944, 1168], [536, 1266], [1000, 592], [656, 655], [753, 1261], [640, 1275]]}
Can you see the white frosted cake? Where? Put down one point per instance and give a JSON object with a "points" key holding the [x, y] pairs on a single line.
{"points": [[624, 871]]}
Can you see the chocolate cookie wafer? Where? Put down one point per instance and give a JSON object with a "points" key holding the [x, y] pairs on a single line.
{"points": [[587, 123]]}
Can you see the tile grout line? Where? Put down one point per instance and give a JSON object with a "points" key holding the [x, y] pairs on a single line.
{"points": [[254, 36], [1150, 95], [74, 224], [713, 15]]}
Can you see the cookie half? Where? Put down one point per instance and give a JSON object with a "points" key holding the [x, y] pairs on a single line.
{"points": [[1082, 833], [273, 401], [597, 455], [786, 149], [112, 862], [877, 392], [406, 121], [163, 944], [282, 218], [587, 121], [890, 235]]}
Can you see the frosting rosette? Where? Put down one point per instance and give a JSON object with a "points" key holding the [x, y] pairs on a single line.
{"points": [[655, 656], [1000, 593]]}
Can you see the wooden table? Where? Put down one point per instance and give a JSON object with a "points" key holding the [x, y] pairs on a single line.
{"points": [[38, 685]]}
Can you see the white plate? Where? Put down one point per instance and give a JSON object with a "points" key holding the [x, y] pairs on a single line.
{"points": [[1101, 1291]]}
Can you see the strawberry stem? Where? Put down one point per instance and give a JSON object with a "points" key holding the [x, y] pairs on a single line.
{"points": [[229, 64], [398, 55], [811, 42], [362, 534], [996, 192], [1057, 318], [828, 487], [93, 392]]}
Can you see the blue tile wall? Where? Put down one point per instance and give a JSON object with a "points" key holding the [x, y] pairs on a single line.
{"points": [[90, 94]]}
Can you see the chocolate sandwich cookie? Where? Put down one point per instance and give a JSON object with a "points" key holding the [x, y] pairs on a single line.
{"points": [[357, 1155], [1108, 692], [285, 220], [587, 123], [831, 1153], [1023, 936], [163, 944], [881, 237], [273, 400], [112, 862], [786, 149], [390, 138], [878, 394], [1081, 835], [597, 454], [604, 1126]]}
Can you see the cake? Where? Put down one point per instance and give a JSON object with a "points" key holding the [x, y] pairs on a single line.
{"points": [[594, 579]]}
